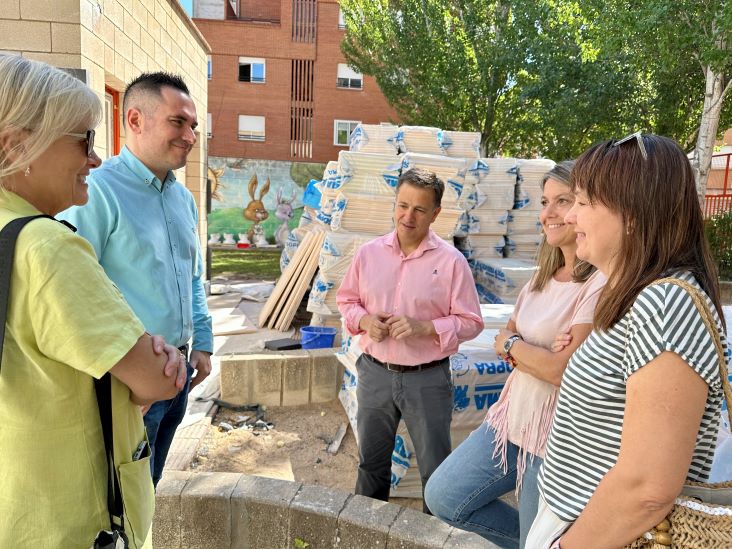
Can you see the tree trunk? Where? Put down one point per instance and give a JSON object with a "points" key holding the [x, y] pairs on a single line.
{"points": [[701, 161]]}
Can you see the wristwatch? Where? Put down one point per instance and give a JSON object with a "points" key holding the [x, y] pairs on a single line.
{"points": [[509, 343]]}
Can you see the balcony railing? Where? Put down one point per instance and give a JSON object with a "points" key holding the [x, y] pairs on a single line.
{"points": [[718, 198]]}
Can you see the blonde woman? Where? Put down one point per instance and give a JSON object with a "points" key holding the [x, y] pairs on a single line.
{"points": [[66, 325], [505, 453]]}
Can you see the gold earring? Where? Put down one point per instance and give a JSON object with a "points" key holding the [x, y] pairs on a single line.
{"points": [[27, 171]]}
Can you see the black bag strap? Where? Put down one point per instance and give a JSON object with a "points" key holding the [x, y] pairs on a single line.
{"points": [[8, 237], [103, 387]]}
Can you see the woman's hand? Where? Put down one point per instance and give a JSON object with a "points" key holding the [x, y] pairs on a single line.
{"points": [[500, 341], [561, 342]]}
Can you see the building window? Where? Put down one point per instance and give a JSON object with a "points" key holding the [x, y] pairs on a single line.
{"points": [[251, 69], [341, 20], [209, 125], [112, 119], [342, 130], [251, 128], [210, 67], [348, 78]]}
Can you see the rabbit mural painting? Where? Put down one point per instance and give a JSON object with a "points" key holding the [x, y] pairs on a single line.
{"points": [[256, 202], [256, 212], [284, 213]]}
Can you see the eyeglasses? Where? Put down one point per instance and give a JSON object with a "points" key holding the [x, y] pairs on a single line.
{"points": [[88, 137], [638, 136]]}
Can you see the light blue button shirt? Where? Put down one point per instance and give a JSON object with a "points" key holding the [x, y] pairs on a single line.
{"points": [[144, 232]]}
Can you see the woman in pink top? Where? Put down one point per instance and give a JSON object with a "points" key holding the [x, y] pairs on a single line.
{"points": [[505, 452]]}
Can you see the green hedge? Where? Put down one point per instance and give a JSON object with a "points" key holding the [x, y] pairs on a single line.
{"points": [[719, 235]]}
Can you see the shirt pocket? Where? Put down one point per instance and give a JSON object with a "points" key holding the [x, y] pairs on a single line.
{"points": [[138, 496]]}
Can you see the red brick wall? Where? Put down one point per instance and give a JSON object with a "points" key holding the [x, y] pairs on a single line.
{"points": [[228, 98]]}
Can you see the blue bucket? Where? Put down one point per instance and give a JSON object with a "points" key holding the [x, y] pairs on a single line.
{"points": [[317, 337]]}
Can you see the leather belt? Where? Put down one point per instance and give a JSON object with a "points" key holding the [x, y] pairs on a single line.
{"points": [[403, 368], [184, 350]]}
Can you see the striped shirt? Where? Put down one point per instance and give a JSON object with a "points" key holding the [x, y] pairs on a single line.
{"points": [[585, 439]]}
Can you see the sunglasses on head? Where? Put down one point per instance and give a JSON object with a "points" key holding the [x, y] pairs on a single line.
{"points": [[88, 137], [638, 136]]}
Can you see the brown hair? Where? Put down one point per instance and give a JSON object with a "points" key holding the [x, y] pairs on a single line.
{"points": [[423, 179], [550, 258], [657, 201]]}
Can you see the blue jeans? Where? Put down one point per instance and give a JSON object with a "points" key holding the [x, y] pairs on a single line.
{"points": [[161, 421], [465, 488]]}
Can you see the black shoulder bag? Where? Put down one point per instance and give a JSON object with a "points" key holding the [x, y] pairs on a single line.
{"points": [[115, 538]]}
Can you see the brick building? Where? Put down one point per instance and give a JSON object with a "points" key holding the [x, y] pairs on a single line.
{"points": [[279, 87]]}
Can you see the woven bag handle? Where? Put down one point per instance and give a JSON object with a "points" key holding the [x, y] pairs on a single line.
{"points": [[708, 318]]}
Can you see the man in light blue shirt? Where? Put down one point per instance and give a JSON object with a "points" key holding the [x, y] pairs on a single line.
{"points": [[143, 225]]}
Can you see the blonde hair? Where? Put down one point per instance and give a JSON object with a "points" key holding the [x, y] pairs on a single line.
{"points": [[38, 104], [549, 258]]}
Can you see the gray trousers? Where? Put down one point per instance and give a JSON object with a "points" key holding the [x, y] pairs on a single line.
{"points": [[424, 399]]}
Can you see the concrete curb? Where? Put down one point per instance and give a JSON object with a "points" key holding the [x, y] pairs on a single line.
{"points": [[228, 510]]}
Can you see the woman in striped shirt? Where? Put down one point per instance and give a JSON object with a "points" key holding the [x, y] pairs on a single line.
{"points": [[640, 400]]}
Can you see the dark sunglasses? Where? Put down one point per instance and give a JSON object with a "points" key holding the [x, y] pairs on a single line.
{"points": [[638, 136], [88, 137]]}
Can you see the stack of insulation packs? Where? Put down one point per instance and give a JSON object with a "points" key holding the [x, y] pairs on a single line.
{"points": [[478, 376], [484, 230], [524, 234], [375, 138]]}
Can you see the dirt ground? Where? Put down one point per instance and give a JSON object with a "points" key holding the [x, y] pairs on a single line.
{"points": [[294, 449]]}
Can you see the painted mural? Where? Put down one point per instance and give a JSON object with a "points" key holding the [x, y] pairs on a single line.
{"points": [[256, 202]]}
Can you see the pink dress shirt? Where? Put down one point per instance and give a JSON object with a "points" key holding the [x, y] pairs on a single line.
{"points": [[433, 283]]}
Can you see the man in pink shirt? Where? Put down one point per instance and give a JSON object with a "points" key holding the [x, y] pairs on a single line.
{"points": [[412, 298]]}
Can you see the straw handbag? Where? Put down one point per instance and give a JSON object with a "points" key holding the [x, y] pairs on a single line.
{"points": [[701, 517]]}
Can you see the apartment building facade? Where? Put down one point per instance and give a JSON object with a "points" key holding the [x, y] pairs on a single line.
{"points": [[279, 87], [282, 102]]}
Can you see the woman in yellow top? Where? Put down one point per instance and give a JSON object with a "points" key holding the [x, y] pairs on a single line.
{"points": [[66, 324]]}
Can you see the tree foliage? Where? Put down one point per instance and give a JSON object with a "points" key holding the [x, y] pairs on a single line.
{"points": [[546, 77]]}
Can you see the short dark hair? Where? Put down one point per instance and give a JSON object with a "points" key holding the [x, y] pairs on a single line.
{"points": [[151, 83], [424, 180]]}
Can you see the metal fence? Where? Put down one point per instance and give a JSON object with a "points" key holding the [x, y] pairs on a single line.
{"points": [[719, 192]]}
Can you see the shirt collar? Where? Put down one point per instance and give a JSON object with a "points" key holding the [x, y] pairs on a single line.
{"points": [[429, 242], [17, 204], [143, 172]]}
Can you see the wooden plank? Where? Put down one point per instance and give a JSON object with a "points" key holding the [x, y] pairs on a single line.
{"points": [[305, 278], [336, 444], [310, 249], [283, 280]]}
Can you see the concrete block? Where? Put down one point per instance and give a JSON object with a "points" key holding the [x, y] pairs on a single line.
{"points": [[10, 9], [314, 515], [167, 521], [25, 35], [415, 530], [92, 46], [132, 27], [260, 514], [326, 376], [295, 378], [123, 44], [108, 59], [65, 38], [252, 379], [460, 539], [364, 523], [65, 60], [65, 11], [206, 510]]}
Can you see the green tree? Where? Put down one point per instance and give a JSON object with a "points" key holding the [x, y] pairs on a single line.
{"points": [[527, 76]]}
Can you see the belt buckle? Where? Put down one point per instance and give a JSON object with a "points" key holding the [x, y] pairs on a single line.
{"points": [[389, 367]]}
